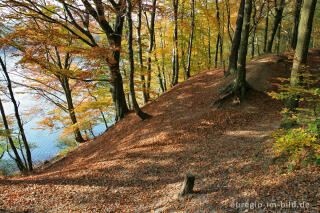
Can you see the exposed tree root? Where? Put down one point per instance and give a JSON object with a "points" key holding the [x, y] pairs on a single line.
{"points": [[143, 115], [229, 92]]}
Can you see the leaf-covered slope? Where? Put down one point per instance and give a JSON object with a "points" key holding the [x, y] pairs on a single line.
{"points": [[139, 165]]}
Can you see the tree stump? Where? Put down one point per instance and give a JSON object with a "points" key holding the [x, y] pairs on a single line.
{"points": [[188, 184]]}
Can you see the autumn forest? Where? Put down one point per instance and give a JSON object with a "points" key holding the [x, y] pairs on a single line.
{"points": [[205, 105]]}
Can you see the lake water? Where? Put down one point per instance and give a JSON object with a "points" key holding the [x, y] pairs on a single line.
{"points": [[46, 142]]}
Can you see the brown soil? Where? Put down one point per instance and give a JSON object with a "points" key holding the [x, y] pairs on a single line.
{"points": [[138, 166]]}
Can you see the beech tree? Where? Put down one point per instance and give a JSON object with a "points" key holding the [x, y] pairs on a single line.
{"points": [[175, 53], [17, 158], [296, 20], [301, 53], [190, 40], [18, 119], [76, 19], [279, 7], [136, 107], [241, 83], [233, 57]]}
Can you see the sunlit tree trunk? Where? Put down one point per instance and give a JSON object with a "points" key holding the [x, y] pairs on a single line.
{"points": [[190, 40], [254, 29], [151, 45], [241, 84], [233, 58], [17, 115], [64, 81], [66, 87], [219, 41], [265, 43], [175, 54], [301, 53], [142, 75], [17, 158], [227, 2], [296, 20], [277, 21], [135, 104], [279, 38]]}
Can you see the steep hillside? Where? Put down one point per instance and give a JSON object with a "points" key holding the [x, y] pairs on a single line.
{"points": [[138, 166]]}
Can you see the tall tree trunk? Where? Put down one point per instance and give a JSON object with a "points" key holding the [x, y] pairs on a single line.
{"points": [[209, 36], [216, 54], [64, 81], [227, 2], [142, 76], [258, 47], [116, 89], [241, 85], [254, 29], [135, 104], [162, 44], [182, 41], [301, 54], [222, 40], [296, 20], [100, 110], [151, 44], [190, 41], [67, 91], [279, 39], [17, 115], [116, 82], [161, 82], [175, 55], [265, 43], [277, 21], [17, 158], [219, 37], [233, 58]]}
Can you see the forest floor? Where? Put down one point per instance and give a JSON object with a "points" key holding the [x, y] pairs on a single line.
{"points": [[139, 166]]}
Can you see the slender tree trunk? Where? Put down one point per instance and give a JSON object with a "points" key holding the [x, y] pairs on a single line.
{"points": [[296, 20], [182, 41], [161, 83], [100, 110], [151, 45], [258, 47], [277, 21], [163, 63], [142, 76], [64, 81], [17, 115], [301, 54], [190, 41], [135, 104], [233, 58], [217, 51], [21, 151], [241, 85], [222, 40], [219, 37], [254, 29], [279, 39], [17, 158], [67, 91], [265, 43], [228, 19], [209, 36], [175, 55]]}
